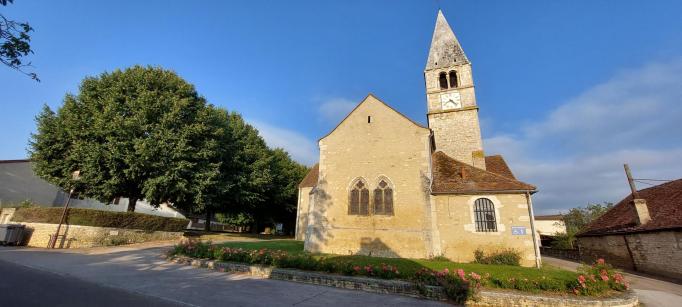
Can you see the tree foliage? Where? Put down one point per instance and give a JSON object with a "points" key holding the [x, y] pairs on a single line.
{"points": [[139, 133], [145, 133], [15, 43], [576, 220]]}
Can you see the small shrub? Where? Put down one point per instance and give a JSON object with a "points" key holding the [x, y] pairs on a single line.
{"points": [[458, 285], [504, 257], [440, 258]]}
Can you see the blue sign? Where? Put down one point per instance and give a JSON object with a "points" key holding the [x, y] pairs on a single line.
{"points": [[518, 231]]}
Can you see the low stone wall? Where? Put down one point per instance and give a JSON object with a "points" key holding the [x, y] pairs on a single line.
{"points": [[77, 236], [569, 254], [486, 298], [657, 253]]}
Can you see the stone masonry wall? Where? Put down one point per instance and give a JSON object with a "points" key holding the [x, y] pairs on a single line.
{"points": [[457, 229], [38, 235], [388, 146], [658, 253], [302, 212]]}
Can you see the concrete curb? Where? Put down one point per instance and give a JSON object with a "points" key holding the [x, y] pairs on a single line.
{"points": [[384, 286]]}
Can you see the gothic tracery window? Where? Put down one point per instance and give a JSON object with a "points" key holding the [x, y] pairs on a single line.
{"points": [[383, 198], [484, 213], [358, 203]]}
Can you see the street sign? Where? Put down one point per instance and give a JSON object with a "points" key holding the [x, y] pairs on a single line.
{"points": [[518, 230]]}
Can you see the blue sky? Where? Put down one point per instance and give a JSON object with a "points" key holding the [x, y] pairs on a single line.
{"points": [[568, 90]]}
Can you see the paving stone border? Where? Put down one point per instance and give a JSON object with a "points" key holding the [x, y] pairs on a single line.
{"points": [[386, 286]]}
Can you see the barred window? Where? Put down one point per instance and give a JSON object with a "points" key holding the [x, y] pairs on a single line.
{"points": [[358, 203], [383, 198], [484, 212], [453, 79]]}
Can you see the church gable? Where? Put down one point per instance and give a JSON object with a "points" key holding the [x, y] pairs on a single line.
{"points": [[372, 113]]}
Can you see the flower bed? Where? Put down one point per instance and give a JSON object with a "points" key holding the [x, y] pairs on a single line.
{"points": [[459, 285]]}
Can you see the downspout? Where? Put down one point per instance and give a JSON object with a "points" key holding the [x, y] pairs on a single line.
{"points": [[538, 260], [298, 212]]}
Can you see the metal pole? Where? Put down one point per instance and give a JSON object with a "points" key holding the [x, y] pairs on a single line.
{"points": [[61, 221], [538, 260], [631, 181]]}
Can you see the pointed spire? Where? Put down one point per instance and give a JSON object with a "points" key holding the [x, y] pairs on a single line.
{"points": [[445, 48]]}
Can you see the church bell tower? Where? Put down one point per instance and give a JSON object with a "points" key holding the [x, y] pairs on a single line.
{"points": [[452, 110]]}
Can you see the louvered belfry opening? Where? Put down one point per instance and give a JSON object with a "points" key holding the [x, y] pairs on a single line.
{"points": [[484, 212], [443, 81]]}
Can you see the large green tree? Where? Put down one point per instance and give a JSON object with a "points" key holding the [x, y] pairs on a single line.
{"points": [[140, 133]]}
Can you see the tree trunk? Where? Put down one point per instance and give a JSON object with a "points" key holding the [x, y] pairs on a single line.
{"points": [[131, 204], [207, 227]]}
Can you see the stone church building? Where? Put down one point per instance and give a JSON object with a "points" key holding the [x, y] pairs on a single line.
{"points": [[388, 186]]}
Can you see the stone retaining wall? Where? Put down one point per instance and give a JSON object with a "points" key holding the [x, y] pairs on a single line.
{"points": [[486, 298], [77, 236]]}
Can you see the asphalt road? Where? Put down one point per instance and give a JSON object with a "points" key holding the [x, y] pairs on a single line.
{"points": [[23, 286], [136, 276]]}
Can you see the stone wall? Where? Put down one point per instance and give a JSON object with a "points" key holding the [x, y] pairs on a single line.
{"points": [[563, 253], [385, 145], [304, 198], [76, 236], [457, 229], [658, 253], [485, 298]]}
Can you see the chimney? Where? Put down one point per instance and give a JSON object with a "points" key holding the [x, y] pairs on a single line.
{"points": [[464, 172], [641, 208], [642, 211]]}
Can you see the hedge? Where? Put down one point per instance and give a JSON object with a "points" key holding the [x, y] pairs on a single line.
{"points": [[98, 218]]}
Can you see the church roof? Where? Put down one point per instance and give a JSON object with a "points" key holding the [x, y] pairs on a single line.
{"points": [[310, 179], [663, 201], [445, 48], [497, 165], [454, 177]]}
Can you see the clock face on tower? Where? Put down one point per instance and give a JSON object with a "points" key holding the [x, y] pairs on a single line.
{"points": [[450, 101]]}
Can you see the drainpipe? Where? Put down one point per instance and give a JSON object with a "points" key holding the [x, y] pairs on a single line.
{"points": [[538, 260]]}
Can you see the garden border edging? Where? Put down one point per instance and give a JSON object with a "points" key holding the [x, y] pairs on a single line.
{"points": [[386, 286]]}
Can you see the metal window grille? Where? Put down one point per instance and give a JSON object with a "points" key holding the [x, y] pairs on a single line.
{"points": [[484, 212]]}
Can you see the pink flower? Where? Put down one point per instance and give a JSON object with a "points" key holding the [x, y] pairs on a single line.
{"points": [[601, 261], [446, 270], [475, 276], [356, 268], [604, 277], [581, 279]]}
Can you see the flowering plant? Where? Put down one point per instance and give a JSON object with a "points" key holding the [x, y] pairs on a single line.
{"points": [[599, 277]]}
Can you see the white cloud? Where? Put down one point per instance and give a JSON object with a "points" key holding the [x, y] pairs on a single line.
{"points": [[335, 109], [575, 155], [297, 145]]}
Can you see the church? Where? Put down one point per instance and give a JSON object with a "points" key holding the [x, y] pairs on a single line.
{"points": [[387, 186]]}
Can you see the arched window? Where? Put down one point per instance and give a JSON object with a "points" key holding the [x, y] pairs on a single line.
{"points": [[484, 212], [358, 204], [383, 197], [453, 79], [443, 80]]}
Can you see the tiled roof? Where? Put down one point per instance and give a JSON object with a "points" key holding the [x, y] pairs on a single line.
{"points": [[310, 179], [452, 176], [497, 165], [665, 209], [553, 217]]}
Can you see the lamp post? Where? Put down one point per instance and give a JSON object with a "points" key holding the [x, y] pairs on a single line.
{"points": [[53, 241]]}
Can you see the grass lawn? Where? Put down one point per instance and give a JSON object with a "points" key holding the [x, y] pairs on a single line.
{"points": [[410, 266]]}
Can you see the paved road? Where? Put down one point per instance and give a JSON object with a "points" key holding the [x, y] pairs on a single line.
{"points": [[651, 291], [140, 276], [23, 286]]}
